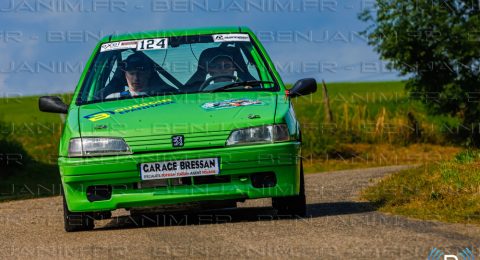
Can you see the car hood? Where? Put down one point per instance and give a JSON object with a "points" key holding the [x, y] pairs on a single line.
{"points": [[204, 119]]}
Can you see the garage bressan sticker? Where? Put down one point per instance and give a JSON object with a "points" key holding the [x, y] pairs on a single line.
{"points": [[180, 168], [231, 103]]}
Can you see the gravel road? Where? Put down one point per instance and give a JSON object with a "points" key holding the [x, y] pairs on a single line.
{"points": [[339, 226]]}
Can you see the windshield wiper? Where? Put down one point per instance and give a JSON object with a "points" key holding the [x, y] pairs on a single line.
{"points": [[243, 83]]}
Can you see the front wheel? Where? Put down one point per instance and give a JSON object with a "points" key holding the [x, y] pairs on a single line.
{"points": [[293, 205], [76, 221]]}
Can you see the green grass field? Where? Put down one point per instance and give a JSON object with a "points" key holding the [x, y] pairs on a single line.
{"points": [[374, 124], [375, 112], [364, 114], [38, 132], [31, 152], [356, 109]]}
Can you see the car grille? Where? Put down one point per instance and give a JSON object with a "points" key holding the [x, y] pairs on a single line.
{"points": [[150, 143], [197, 180]]}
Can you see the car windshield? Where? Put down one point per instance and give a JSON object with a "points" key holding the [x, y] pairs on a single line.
{"points": [[174, 65]]}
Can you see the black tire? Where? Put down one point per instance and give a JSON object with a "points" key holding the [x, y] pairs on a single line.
{"points": [[76, 221], [292, 206]]}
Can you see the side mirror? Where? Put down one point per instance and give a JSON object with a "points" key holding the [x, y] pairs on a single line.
{"points": [[52, 104], [303, 87]]}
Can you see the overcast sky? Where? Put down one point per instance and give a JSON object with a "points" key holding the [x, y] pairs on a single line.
{"points": [[44, 44]]}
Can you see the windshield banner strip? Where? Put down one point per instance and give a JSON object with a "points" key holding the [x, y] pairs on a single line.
{"points": [[141, 45], [231, 37], [110, 46]]}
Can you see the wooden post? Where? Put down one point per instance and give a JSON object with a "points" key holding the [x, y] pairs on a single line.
{"points": [[326, 103]]}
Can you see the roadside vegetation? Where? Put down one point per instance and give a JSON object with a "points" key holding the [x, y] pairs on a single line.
{"points": [[28, 149], [372, 124], [445, 191], [431, 44]]}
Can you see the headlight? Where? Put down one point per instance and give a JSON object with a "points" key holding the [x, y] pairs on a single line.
{"points": [[95, 146], [259, 135]]}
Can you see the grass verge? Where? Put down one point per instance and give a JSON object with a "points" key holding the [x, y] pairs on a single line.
{"points": [[374, 124], [447, 191], [355, 156]]}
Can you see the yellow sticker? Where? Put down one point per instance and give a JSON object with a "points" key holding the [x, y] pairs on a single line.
{"points": [[99, 116]]}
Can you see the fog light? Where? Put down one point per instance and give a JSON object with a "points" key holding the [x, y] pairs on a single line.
{"points": [[264, 180], [99, 192]]}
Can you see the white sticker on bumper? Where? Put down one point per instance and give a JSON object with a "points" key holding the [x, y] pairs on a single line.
{"points": [[180, 168]]}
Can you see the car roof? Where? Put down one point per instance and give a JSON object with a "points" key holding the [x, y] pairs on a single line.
{"points": [[173, 32]]}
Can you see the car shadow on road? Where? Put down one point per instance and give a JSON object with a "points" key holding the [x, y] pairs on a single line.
{"points": [[234, 215], [339, 208]]}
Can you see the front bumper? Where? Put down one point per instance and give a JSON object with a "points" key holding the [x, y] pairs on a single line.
{"points": [[123, 174]]}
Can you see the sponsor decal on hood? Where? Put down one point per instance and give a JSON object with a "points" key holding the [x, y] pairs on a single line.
{"points": [[123, 110], [231, 103]]}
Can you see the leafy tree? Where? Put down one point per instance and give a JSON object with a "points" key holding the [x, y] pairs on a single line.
{"points": [[436, 43]]}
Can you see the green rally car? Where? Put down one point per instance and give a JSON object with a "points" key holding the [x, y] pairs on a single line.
{"points": [[182, 117]]}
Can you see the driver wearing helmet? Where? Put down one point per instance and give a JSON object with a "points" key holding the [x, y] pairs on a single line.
{"points": [[222, 65], [138, 71]]}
